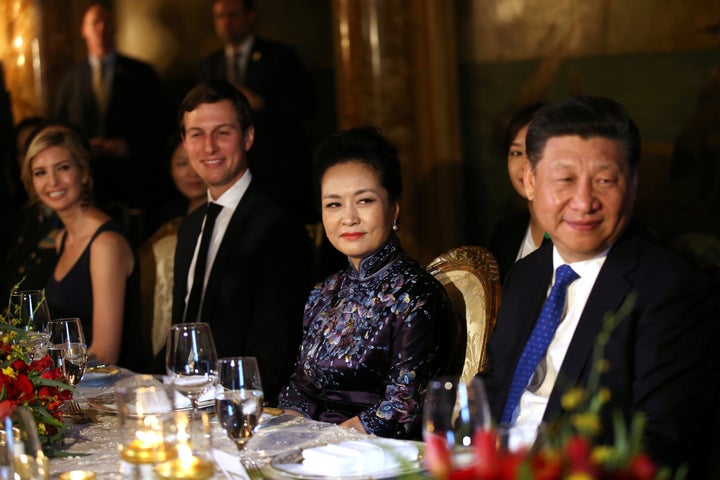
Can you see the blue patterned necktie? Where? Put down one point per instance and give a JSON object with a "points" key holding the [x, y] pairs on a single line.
{"points": [[540, 338]]}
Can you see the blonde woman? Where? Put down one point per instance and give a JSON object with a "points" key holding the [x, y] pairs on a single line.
{"points": [[95, 278]]}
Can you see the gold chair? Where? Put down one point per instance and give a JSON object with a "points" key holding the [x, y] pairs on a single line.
{"points": [[471, 278]]}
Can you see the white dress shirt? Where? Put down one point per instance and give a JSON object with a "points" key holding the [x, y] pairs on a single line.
{"points": [[229, 201], [531, 408]]}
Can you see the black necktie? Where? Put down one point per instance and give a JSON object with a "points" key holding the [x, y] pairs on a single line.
{"points": [[193, 307]]}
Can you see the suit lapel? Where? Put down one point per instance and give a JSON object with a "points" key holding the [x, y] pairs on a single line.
{"points": [[610, 289], [235, 238]]}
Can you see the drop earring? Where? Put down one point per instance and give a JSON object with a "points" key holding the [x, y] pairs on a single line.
{"points": [[395, 225]]}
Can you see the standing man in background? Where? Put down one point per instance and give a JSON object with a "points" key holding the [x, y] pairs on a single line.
{"points": [[276, 84], [115, 101]]}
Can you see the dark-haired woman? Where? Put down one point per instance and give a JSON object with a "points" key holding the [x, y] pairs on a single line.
{"points": [[377, 331]]}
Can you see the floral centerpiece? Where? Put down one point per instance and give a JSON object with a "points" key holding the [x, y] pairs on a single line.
{"points": [[35, 384], [568, 448]]}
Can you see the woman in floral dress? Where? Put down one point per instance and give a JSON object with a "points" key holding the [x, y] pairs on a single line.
{"points": [[377, 331]]}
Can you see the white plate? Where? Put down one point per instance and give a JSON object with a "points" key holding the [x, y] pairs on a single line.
{"points": [[289, 466]]}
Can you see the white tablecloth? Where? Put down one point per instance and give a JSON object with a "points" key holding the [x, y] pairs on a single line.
{"points": [[95, 444]]}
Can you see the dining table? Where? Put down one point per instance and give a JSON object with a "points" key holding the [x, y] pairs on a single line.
{"points": [[90, 442]]}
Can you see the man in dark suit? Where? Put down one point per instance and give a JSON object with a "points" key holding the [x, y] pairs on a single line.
{"points": [[115, 101], [257, 263], [272, 77], [662, 358]]}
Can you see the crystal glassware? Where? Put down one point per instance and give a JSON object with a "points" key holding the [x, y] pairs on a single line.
{"points": [[143, 403], [456, 415], [191, 360], [21, 454], [238, 397], [29, 310], [68, 349]]}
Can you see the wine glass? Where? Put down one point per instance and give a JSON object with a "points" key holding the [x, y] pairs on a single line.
{"points": [[68, 349], [239, 398], [29, 310], [191, 360], [21, 454], [455, 416]]}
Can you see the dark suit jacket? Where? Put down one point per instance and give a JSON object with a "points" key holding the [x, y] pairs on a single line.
{"points": [[663, 359], [257, 288], [506, 240], [280, 156], [137, 113]]}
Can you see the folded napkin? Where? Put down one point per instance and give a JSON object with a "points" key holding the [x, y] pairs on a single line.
{"points": [[358, 457], [230, 465]]}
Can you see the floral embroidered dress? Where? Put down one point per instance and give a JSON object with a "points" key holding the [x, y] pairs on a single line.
{"points": [[372, 340]]}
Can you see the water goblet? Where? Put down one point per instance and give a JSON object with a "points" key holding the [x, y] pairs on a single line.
{"points": [[456, 416], [191, 360], [238, 397], [21, 454], [29, 310], [68, 349]]}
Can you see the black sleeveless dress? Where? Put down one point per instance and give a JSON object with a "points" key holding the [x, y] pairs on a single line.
{"points": [[72, 296]]}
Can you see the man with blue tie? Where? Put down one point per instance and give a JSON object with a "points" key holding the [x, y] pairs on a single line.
{"points": [[663, 358]]}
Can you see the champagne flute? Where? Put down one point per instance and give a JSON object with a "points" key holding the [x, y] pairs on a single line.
{"points": [[29, 310], [239, 398], [191, 360], [68, 349], [455, 416]]}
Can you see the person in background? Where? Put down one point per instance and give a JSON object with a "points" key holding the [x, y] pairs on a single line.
{"points": [[34, 228], [253, 275], [275, 82], [96, 275], [377, 331], [662, 359], [117, 103], [519, 234], [157, 254]]}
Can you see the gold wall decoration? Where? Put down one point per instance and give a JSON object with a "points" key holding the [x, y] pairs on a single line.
{"points": [[21, 60]]}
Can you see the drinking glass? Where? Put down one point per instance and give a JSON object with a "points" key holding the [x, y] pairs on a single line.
{"points": [[238, 397], [189, 437], [68, 349], [454, 416], [29, 310], [143, 403], [191, 360], [21, 455]]}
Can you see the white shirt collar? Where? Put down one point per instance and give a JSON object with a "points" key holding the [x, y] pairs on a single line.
{"points": [[232, 196], [244, 48], [585, 268]]}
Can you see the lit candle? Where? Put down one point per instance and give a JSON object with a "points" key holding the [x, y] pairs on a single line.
{"points": [[186, 466], [147, 446], [77, 475]]}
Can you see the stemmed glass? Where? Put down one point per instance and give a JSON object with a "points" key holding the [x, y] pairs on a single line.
{"points": [[191, 360], [68, 349], [454, 415], [239, 398], [21, 454], [29, 310]]}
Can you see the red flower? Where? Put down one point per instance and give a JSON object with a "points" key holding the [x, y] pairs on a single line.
{"points": [[437, 456], [488, 460], [6, 408], [41, 365]]}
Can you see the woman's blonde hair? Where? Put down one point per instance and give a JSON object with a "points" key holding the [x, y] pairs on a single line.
{"points": [[57, 136]]}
